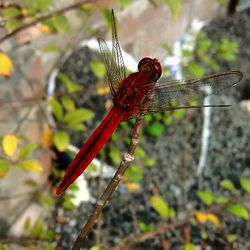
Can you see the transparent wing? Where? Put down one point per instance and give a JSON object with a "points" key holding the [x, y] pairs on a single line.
{"points": [[113, 61], [181, 93]]}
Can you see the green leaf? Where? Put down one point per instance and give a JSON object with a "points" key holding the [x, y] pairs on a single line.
{"points": [[115, 155], [41, 5], [150, 162], [160, 205], [13, 24], [56, 108], [61, 23], [95, 248], [51, 48], [124, 3], [11, 12], [220, 199], [27, 225], [207, 197], [227, 184], [145, 227], [31, 165], [245, 184], [4, 167], [139, 152], [188, 246], [30, 182], [98, 68], [238, 211], [77, 126], [38, 229], [68, 103], [107, 17], [68, 204], [46, 200], [134, 173], [26, 151], [196, 69], [61, 140], [78, 115], [69, 85], [86, 7], [174, 6], [155, 129]]}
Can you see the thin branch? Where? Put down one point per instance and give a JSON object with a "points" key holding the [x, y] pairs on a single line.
{"points": [[45, 17], [127, 159]]}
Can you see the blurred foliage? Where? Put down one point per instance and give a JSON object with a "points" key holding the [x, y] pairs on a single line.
{"points": [[20, 153]]}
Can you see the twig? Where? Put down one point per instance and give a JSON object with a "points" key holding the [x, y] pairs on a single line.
{"points": [[127, 159], [45, 17]]}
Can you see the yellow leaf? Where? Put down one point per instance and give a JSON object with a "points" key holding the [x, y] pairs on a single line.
{"points": [[214, 219], [102, 90], [200, 217], [6, 65], [205, 217], [10, 143], [24, 11], [46, 29], [32, 165], [47, 138], [132, 187]]}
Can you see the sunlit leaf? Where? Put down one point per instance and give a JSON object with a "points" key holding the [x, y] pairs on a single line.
{"points": [[13, 24], [11, 12], [47, 138], [124, 3], [134, 173], [38, 229], [61, 140], [139, 152], [98, 68], [145, 227], [160, 205], [46, 200], [149, 162], [220, 199], [4, 167], [41, 5], [238, 211], [6, 66], [78, 115], [61, 23], [207, 197], [95, 248], [68, 103], [245, 184], [77, 126], [26, 151], [155, 129], [196, 69], [27, 225], [56, 108], [31, 165], [227, 184], [174, 6], [86, 7], [188, 246], [69, 85], [52, 48], [10, 143]]}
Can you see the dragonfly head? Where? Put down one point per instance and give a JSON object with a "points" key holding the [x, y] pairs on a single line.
{"points": [[151, 67]]}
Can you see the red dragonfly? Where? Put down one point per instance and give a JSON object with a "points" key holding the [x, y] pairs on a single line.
{"points": [[138, 94]]}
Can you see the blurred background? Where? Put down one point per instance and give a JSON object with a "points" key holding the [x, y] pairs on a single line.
{"points": [[189, 185]]}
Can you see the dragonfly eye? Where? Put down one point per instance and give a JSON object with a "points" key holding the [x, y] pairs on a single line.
{"points": [[151, 67]]}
